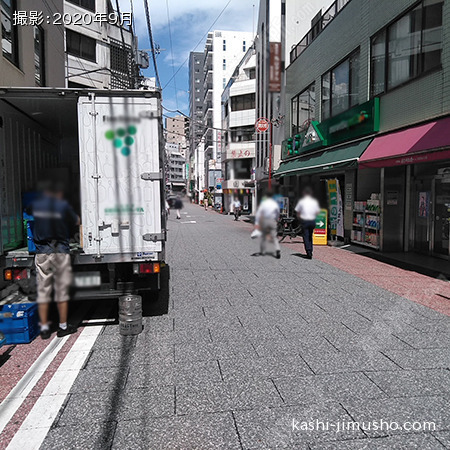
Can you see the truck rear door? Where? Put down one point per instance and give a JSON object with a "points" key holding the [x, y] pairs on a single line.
{"points": [[121, 172]]}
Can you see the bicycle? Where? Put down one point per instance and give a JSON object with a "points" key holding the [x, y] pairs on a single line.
{"points": [[289, 227]]}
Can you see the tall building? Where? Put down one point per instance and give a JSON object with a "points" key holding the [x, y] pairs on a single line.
{"points": [[101, 54], [32, 50], [238, 118], [223, 51], [177, 128]]}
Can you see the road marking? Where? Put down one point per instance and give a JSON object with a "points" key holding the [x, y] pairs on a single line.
{"points": [[189, 221], [35, 427], [20, 392]]}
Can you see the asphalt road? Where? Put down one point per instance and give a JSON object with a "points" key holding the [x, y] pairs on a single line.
{"points": [[239, 350]]}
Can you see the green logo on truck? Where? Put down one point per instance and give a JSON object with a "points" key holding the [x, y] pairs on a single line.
{"points": [[122, 138]]}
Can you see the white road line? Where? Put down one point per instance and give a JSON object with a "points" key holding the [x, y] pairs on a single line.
{"points": [[189, 221], [35, 427], [20, 392]]}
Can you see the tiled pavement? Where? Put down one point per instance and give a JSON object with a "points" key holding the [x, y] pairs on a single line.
{"points": [[250, 344]]}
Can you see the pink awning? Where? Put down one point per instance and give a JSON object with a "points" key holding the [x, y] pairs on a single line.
{"points": [[425, 143]]}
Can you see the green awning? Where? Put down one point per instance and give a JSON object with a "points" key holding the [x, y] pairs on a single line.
{"points": [[329, 160]]}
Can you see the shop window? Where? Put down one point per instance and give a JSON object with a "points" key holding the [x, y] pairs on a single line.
{"points": [[39, 59], [340, 87], [81, 45], [243, 102], [303, 109], [9, 31], [407, 48]]}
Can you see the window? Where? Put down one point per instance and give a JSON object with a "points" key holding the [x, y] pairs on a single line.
{"points": [[340, 87], [410, 46], [244, 46], [9, 31], [87, 4], [243, 102], [224, 64], [251, 74], [303, 109], [224, 45], [120, 57], [224, 82], [80, 45], [242, 169], [243, 134], [39, 58]]}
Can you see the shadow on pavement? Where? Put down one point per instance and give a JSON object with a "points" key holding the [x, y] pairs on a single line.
{"points": [[299, 255]]}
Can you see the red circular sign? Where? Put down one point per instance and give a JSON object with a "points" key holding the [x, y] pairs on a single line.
{"points": [[262, 125]]}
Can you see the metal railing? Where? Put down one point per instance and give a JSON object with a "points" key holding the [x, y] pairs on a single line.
{"points": [[312, 34]]}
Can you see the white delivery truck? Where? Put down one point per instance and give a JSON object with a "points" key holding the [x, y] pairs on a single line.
{"points": [[109, 147]]}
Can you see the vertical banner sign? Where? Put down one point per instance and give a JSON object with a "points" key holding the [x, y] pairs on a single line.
{"points": [[336, 209], [320, 232], [333, 205], [340, 218], [275, 67]]}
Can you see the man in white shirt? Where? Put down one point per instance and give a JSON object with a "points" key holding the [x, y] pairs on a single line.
{"points": [[307, 209], [236, 208], [266, 220]]}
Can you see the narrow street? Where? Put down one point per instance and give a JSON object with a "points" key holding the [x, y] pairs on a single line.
{"points": [[240, 348]]}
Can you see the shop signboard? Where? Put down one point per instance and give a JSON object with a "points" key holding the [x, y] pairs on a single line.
{"points": [[275, 67], [320, 232], [358, 121]]}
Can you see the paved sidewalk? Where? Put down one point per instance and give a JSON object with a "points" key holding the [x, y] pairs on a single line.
{"points": [[250, 344]]}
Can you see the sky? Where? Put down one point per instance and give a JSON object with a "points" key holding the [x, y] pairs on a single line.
{"points": [[190, 20]]}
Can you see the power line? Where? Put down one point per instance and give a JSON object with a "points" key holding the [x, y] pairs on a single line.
{"points": [[171, 51], [152, 44], [199, 42]]}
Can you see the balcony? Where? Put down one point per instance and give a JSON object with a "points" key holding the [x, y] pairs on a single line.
{"points": [[317, 28]]}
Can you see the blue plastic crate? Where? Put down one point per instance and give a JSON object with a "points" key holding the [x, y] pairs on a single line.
{"points": [[19, 322]]}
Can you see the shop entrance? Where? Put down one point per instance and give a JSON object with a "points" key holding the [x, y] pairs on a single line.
{"points": [[432, 216], [441, 217]]}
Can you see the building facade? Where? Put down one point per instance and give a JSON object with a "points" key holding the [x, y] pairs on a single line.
{"points": [[239, 146], [101, 54], [223, 51], [369, 95], [175, 168], [177, 128], [280, 25], [33, 51]]}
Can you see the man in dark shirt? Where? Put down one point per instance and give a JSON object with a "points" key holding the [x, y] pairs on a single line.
{"points": [[54, 219]]}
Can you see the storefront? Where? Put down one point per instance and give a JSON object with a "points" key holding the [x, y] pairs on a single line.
{"points": [[413, 169], [325, 156]]}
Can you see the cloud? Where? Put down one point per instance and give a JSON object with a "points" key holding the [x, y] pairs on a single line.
{"points": [[190, 21]]}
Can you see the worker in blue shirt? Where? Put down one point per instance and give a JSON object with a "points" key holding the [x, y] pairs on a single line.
{"points": [[54, 220]]}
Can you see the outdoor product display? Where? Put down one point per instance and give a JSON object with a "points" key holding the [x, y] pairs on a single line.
{"points": [[19, 322], [366, 222]]}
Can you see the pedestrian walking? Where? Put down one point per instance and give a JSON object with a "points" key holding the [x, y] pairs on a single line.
{"points": [[205, 203], [266, 220], [307, 209], [178, 205], [54, 220], [236, 208]]}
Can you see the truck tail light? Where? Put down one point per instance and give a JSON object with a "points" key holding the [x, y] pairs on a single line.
{"points": [[146, 268], [16, 274]]}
